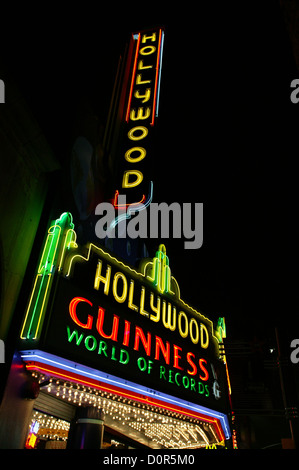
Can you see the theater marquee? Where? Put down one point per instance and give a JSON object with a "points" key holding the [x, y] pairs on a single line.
{"points": [[91, 312]]}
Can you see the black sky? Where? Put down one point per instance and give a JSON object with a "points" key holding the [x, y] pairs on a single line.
{"points": [[227, 134]]}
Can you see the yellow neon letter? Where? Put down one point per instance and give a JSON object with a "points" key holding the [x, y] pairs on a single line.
{"points": [[196, 338], [142, 295], [155, 309], [204, 344], [126, 183], [152, 38], [147, 50], [183, 334], [143, 67], [140, 114], [99, 278], [131, 294], [142, 154], [122, 297], [139, 80], [132, 136], [167, 322], [144, 97]]}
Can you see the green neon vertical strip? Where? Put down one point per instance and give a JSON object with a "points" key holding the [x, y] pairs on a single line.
{"points": [[35, 306], [167, 279], [53, 250], [156, 271], [70, 240], [45, 269], [44, 299], [161, 271]]}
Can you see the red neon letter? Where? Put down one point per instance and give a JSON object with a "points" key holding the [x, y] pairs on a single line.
{"points": [[206, 373], [100, 321], [176, 357], [189, 360], [73, 313], [127, 333], [146, 342], [165, 351]]}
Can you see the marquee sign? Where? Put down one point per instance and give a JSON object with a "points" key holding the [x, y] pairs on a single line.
{"points": [[130, 323]]}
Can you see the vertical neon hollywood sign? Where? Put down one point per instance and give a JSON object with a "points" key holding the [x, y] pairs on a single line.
{"points": [[139, 116], [147, 47]]}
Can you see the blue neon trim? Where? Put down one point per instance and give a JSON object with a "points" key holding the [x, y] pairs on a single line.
{"points": [[50, 359], [132, 210]]}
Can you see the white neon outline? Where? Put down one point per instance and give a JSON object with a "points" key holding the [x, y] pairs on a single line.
{"points": [[134, 208]]}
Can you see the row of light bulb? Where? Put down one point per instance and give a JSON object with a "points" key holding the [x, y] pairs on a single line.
{"points": [[49, 426], [169, 429], [170, 433], [79, 394]]}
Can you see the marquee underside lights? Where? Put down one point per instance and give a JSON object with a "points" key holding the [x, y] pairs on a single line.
{"points": [[139, 422], [48, 427], [66, 371]]}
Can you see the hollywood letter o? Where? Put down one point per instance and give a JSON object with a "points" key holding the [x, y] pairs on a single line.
{"points": [[73, 312], [142, 154], [204, 336], [195, 338], [147, 50], [183, 334], [133, 136]]}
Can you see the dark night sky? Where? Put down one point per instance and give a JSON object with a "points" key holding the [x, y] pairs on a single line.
{"points": [[226, 136]]}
